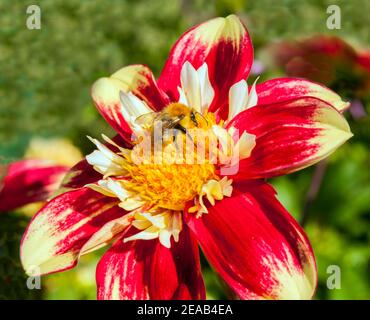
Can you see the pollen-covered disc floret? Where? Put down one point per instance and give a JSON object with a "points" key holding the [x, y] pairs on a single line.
{"points": [[169, 186], [176, 160]]}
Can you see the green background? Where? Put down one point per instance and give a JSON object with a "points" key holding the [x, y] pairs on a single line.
{"points": [[45, 76]]}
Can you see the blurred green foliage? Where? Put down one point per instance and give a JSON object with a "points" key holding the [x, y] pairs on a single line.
{"points": [[12, 277], [45, 76]]}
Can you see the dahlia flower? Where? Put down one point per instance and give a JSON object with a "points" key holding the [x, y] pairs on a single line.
{"points": [[329, 60], [200, 181], [38, 175]]}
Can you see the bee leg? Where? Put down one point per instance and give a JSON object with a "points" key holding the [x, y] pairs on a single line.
{"points": [[174, 139], [184, 131], [191, 139], [175, 134], [193, 118], [175, 142], [180, 128]]}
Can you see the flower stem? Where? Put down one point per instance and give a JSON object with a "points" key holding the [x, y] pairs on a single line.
{"points": [[314, 189]]}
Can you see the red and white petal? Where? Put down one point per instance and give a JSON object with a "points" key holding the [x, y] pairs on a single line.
{"points": [[107, 233], [28, 181], [141, 95], [56, 234], [186, 256], [83, 173], [256, 246], [290, 136], [145, 269], [282, 89], [140, 80], [79, 175], [120, 272], [222, 43]]}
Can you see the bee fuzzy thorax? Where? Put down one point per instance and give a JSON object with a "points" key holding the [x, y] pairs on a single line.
{"points": [[174, 116], [177, 109]]}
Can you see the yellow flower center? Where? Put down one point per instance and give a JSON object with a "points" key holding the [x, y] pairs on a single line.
{"points": [[168, 185], [173, 174]]}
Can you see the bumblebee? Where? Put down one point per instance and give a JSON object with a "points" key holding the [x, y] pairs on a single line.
{"points": [[174, 116]]}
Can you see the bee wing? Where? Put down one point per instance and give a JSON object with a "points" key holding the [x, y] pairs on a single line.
{"points": [[171, 123], [145, 119]]}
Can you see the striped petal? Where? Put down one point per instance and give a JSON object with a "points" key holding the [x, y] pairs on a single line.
{"points": [[256, 246], [144, 269], [283, 89], [80, 175], [83, 173], [107, 233], [56, 234], [141, 95], [28, 181], [222, 43], [290, 136]]}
